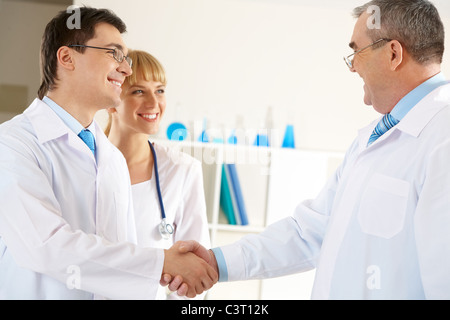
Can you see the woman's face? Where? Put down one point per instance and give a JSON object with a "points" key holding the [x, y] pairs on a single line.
{"points": [[142, 106]]}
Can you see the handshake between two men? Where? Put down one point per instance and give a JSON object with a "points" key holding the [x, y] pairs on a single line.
{"points": [[189, 268]]}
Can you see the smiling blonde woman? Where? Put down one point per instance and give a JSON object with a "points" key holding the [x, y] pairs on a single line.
{"points": [[180, 176]]}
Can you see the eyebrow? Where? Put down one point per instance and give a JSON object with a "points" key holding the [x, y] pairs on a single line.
{"points": [[137, 86], [118, 46]]}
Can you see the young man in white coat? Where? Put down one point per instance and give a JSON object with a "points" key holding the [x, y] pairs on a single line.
{"points": [[66, 219], [380, 227]]}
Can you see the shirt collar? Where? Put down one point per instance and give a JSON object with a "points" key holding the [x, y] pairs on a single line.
{"points": [[412, 98], [68, 119], [419, 113], [425, 110]]}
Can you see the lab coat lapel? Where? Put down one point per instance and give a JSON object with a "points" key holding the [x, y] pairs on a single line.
{"points": [[103, 146], [48, 126], [364, 135], [419, 116], [415, 121]]}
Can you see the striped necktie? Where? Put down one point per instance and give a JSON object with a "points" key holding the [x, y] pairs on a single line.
{"points": [[382, 127], [88, 138]]}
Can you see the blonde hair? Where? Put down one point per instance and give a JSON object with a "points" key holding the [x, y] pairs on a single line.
{"points": [[148, 67]]}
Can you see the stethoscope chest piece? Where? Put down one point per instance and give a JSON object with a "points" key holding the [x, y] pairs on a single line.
{"points": [[165, 229]]}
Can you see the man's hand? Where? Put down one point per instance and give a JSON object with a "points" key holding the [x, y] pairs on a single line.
{"points": [[176, 283], [199, 250], [182, 262]]}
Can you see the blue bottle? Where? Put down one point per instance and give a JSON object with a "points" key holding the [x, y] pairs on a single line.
{"points": [[289, 140]]}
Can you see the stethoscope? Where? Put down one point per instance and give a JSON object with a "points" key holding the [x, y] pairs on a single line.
{"points": [[165, 229]]}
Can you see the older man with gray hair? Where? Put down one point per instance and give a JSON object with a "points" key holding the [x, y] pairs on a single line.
{"points": [[379, 229]]}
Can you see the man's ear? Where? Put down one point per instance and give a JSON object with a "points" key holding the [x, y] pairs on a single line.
{"points": [[65, 58], [396, 54]]}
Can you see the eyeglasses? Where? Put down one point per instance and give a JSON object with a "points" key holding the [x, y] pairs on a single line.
{"points": [[117, 53], [349, 60]]}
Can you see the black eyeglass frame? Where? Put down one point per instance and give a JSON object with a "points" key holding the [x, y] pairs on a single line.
{"points": [[349, 59], [118, 54]]}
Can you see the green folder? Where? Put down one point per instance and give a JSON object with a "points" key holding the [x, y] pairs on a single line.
{"points": [[226, 203]]}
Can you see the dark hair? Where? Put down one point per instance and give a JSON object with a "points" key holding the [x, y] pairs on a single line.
{"points": [[416, 24], [58, 33]]}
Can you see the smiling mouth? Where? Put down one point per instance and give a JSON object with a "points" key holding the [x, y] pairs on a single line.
{"points": [[116, 83], [149, 116]]}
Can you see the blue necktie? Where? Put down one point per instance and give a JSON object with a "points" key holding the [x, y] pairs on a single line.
{"points": [[382, 127], [88, 138]]}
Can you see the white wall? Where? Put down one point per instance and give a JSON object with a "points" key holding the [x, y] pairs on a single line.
{"points": [[21, 27], [237, 57], [229, 57]]}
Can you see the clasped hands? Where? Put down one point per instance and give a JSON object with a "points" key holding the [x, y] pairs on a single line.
{"points": [[189, 268]]}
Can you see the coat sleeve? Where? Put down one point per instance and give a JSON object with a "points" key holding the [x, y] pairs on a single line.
{"points": [[288, 246], [432, 225]]}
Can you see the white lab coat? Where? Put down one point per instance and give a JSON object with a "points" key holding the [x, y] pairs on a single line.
{"points": [[181, 182], [64, 218], [380, 229]]}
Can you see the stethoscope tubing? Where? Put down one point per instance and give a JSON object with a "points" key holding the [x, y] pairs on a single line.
{"points": [[158, 188], [165, 229]]}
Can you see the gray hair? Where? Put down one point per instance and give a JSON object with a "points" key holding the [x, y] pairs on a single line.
{"points": [[416, 24]]}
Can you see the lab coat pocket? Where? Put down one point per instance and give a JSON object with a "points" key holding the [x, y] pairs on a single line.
{"points": [[121, 214], [383, 206]]}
